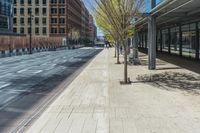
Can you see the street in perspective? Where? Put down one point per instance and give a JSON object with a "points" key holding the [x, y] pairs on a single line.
{"points": [[102, 66], [28, 83]]}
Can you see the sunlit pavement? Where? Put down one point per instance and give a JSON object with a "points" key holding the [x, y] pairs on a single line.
{"points": [[95, 102], [25, 82]]}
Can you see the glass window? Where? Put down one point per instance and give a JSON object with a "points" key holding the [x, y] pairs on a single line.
{"points": [[37, 2], [165, 40], [44, 30], [37, 11], [15, 11], [22, 2], [44, 2], [189, 40], [185, 40], [174, 33], [193, 40], [158, 39], [14, 20], [22, 21], [37, 31], [61, 30], [15, 30], [22, 30], [29, 2], [21, 11], [37, 21], [61, 20], [44, 21], [53, 10], [61, 10], [53, 1], [53, 30], [145, 39], [44, 11]]}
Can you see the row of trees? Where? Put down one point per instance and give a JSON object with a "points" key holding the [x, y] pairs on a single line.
{"points": [[116, 18]]}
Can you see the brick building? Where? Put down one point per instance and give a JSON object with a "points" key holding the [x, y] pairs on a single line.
{"points": [[52, 18]]}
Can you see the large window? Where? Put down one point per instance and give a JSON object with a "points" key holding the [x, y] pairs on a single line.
{"points": [[165, 40], [193, 44], [174, 42], [189, 40], [158, 40]]}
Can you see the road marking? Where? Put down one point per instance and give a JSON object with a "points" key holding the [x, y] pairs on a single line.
{"points": [[23, 70], [39, 71], [4, 85]]}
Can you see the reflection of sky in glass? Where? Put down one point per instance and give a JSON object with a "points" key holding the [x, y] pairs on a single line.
{"points": [[148, 6]]}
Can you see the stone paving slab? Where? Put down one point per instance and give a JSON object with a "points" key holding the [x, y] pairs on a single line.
{"points": [[155, 102]]}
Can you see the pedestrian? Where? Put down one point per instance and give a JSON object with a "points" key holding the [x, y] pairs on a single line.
{"points": [[121, 50], [104, 46]]}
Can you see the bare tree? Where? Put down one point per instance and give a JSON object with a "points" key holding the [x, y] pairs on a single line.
{"points": [[118, 16]]}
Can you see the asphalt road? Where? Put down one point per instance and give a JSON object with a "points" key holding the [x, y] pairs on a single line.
{"points": [[29, 83]]}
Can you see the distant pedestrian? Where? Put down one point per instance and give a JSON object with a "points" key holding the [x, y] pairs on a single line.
{"points": [[104, 46], [121, 50]]}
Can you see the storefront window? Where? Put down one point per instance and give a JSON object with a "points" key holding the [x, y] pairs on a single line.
{"points": [[158, 39], [145, 40], [174, 32], [185, 40], [192, 40], [189, 40], [165, 40]]}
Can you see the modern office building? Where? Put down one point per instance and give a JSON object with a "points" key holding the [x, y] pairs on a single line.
{"points": [[5, 16], [85, 32], [92, 29], [177, 28], [31, 11]]}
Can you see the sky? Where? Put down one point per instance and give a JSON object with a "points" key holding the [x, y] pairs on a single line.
{"points": [[99, 32]]}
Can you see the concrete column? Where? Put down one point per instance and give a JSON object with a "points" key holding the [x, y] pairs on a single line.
{"points": [[152, 39], [152, 42], [135, 45], [197, 41], [180, 40]]}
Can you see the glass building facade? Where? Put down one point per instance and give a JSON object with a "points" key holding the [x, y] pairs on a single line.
{"points": [[6, 14], [182, 40]]}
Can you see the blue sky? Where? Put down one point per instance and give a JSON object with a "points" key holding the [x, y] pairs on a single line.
{"points": [[99, 33]]}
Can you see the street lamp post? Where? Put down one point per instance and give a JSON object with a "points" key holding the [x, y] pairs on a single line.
{"points": [[30, 47]]}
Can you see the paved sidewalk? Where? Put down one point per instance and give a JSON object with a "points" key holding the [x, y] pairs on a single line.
{"points": [[95, 102]]}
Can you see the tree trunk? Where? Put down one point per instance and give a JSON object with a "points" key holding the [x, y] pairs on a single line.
{"points": [[118, 53], [115, 51], [125, 62]]}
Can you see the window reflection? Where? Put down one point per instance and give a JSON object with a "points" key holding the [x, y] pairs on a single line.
{"points": [[165, 40], [174, 32], [188, 40]]}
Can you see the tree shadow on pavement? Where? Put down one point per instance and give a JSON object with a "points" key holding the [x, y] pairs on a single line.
{"points": [[173, 80]]}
